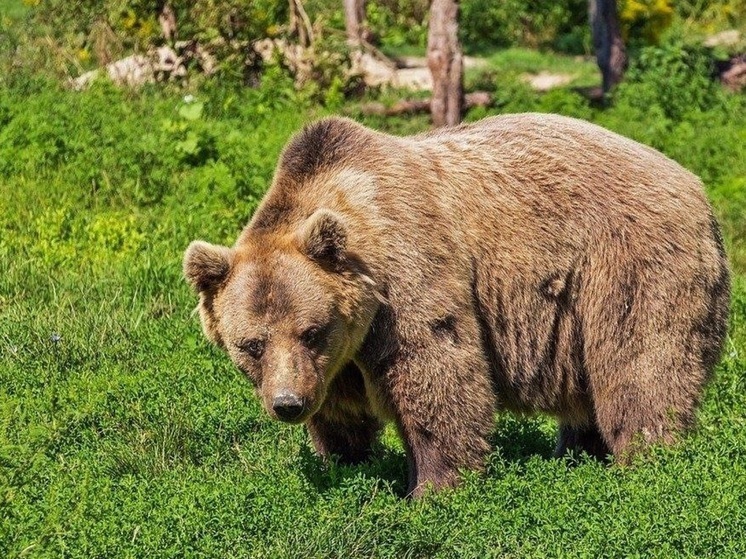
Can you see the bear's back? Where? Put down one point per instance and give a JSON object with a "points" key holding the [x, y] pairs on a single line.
{"points": [[578, 168], [556, 186]]}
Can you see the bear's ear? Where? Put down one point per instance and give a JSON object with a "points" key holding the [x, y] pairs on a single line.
{"points": [[206, 265], [323, 237]]}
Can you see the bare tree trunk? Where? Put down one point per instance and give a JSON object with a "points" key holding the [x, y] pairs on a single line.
{"points": [[607, 41], [355, 22], [300, 24], [446, 63]]}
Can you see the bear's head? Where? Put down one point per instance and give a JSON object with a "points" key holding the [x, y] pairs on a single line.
{"points": [[290, 309]]}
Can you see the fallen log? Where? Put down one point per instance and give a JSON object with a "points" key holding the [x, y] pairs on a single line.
{"points": [[475, 99]]}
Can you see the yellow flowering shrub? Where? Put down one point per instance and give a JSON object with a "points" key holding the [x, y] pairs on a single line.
{"points": [[645, 19]]}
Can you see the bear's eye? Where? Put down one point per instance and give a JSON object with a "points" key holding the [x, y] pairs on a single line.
{"points": [[311, 337], [254, 347]]}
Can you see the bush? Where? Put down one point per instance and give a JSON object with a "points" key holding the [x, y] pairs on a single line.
{"points": [[676, 77], [396, 23], [68, 38], [92, 138], [486, 24], [645, 20], [105, 29], [710, 17]]}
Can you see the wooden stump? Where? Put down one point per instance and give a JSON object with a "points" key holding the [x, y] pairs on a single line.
{"points": [[445, 60]]}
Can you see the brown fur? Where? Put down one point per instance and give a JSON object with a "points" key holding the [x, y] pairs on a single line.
{"points": [[525, 262]]}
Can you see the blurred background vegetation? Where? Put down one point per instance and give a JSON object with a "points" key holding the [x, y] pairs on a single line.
{"points": [[67, 37]]}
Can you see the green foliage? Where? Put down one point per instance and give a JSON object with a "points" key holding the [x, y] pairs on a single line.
{"points": [[675, 77], [113, 141], [729, 198], [88, 33], [486, 25], [330, 79], [397, 23], [711, 16], [105, 29], [230, 19]]}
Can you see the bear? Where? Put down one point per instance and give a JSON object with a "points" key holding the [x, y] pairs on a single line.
{"points": [[532, 263]]}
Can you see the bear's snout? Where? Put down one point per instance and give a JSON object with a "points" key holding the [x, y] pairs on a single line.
{"points": [[287, 405]]}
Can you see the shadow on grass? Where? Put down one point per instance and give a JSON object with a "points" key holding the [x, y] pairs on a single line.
{"points": [[518, 440], [385, 464], [594, 95]]}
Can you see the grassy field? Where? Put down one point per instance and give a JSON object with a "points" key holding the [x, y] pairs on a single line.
{"points": [[123, 433]]}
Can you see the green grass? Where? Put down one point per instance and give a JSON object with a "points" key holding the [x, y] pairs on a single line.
{"points": [[518, 60], [12, 9], [123, 433], [502, 64]]}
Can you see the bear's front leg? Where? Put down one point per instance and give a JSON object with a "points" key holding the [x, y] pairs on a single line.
{"points": [[444, 404], [344, 426]]}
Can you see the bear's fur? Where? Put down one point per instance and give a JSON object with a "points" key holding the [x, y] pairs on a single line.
{"points": [[527, 262]]}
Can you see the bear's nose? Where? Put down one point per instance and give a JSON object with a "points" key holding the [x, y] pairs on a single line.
{"points": [[287, 405]]}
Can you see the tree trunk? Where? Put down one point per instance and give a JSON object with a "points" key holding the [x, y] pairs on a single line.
{"points": [[607, 41], [300, 24], [355, 22], [446, 63]]}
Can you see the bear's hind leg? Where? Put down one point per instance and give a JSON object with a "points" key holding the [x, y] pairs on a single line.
{"points": [[631, 419], [648, 401], [345, 427], [576, 440], [648, 342]]}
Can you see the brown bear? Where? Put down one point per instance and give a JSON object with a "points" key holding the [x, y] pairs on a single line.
{"points": [[529, 262]]}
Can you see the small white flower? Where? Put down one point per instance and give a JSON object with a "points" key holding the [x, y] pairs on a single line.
{"points": [[189, 98]]}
